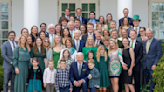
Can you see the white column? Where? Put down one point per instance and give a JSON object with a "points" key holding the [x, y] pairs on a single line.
{"points": [[121, 4], [31, 13]]}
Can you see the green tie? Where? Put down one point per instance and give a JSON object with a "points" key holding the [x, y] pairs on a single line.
{"points": [[52, 42], [72, 34], [79, 69], [77, 46], [131, 45]]}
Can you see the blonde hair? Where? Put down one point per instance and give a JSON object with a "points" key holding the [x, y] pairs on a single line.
{"points": [[98, 53], [50, 61], [93, 45], [55, 42], [116, 45], [91, 61], [26, 44], [49, 46]]}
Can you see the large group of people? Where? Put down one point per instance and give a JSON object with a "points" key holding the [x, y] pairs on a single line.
{"points": [[81, 54]]}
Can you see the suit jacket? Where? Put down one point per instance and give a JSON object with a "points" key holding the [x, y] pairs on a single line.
{"points": [[131, 29], [47, 34], [154, 54], [130, 21], [74, 74], [120, 45], [84, 20], [7, 54], [82, 44], [138, 50], [84, 37]]}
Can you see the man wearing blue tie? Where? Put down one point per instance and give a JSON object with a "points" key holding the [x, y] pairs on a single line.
{"points": [[7, 54], [92, 18], [79, 72], [152, 54], [81, 18]]}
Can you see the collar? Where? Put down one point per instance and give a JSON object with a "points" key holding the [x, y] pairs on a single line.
{"points": [[51, 69], [133, 40], [11, 41], [79, 63], [136, 27], [66, 16], [151, 39], [90, 33]]}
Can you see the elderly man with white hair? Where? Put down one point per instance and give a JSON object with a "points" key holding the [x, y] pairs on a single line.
{"points": [[71, 27], [78, 44], [51, 33], [78, 73], [152, 54]]}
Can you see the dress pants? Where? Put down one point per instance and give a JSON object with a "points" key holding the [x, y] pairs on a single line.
{"points": [[83, 86], [136, 74], [8, 74], [50, 87]]}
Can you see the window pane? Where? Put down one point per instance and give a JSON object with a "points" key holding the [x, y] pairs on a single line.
{"points": [[91, 7], [5, 34], [154, 15], [84, 7], [72, 14], [72, 7], [63, 14], [4, 24], [155, 33], [161, 6], [4, 7], [4, 16], [161, 24], [0, 34], [64, 6], [3, 41], [154, 6], [161, 34], [155, 24], [161, 16], [85, 15]]}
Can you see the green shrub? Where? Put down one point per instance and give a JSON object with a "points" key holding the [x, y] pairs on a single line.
{"points": [[1, 78], [1, 59]]}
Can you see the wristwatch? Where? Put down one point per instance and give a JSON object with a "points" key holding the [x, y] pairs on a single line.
{"points": [[11, 62]]}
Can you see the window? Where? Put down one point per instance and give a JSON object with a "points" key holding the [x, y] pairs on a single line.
{"points": [[157, 18], [4, 22], [85, 5]]}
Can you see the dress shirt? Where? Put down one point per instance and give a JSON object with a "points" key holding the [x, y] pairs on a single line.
{"points": [[80, 18], [134, 41], [137, 29], [97, 42], [67, 17], [11, 43], [93, 21], [63, 27], [90, 33], [62, 79], [50, 36], [116, 40], [78, 65], [77, 41], [120, 38], [49, 75], [72, 33], [148, 44]]}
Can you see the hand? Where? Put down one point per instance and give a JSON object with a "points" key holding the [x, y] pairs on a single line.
{"points": [[90, 76], [70, 90], [124, 66], [76, 84], [153, 67], [130, 72], [45, 85], [16, 70], [80, 82], [26, 83]]}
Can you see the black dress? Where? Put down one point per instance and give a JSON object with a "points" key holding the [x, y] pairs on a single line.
{"points": [[125, 78]]}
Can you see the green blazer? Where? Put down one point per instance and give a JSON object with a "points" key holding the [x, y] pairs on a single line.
{"points": [[120, 45]]}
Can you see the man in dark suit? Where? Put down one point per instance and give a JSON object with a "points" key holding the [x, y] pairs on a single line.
{"points": [[126, 11], [138, 49], [136, 27], [114, 35], [90, 28], [7, 54], [67, 13], [79, 72], [152, 54], [43, 27], [81, 18], [78, 44], [92, 18], [98, 40]]}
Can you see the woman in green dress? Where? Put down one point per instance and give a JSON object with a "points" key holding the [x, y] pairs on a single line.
{"points": [[57, 47], [39, 52], [108, 19], [101, 63], [90, 45], [21, 62]]}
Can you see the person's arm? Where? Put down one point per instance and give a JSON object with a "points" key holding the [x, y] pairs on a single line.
{"points": [[96, 74], [159, 52], [4, 54], [31, 54], [124, 65], [132, 61], [28, 78], [16, 57], [86, 78], [56, 81], [45, 61], [44, 76], [139, 57]]}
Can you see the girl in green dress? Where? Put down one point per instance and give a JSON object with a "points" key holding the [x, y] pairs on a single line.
{"points": [[34, 80], [57, 47], [108, 19], [101, 63], [21, 62], [39, 52], [90, 45]]}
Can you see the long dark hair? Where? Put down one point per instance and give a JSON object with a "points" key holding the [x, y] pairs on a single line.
{"points": [[69, 35], [36, 48]]}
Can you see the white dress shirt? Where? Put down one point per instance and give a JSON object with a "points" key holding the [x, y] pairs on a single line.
{"points": [[90, 33], [133, 43], [79, 64], [49, 75], [11, 43], [50, 37], [137, 29], [97, 42], [67, 17]]}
